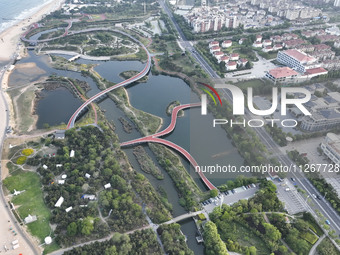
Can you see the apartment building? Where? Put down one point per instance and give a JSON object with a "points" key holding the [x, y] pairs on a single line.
{"points": [[297, 60]]}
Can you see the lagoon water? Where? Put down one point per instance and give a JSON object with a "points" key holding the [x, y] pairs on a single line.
{"points": [[208, 145]]}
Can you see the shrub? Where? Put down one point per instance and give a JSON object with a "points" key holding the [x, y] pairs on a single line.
{"points": [[27, 152], [309, 237], [21, 160]]}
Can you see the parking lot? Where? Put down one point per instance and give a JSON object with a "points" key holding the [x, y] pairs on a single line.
{"points": [[230, 199], [258, 71], [288, 194], [310, 148]]}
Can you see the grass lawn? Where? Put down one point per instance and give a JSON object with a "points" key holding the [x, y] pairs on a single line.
{"points": [[51, 248], [30, 202], [245, 237], [250, 83], [268, 55]]}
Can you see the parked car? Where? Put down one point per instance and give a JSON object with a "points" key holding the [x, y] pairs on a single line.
{"points": [[327, 222]]}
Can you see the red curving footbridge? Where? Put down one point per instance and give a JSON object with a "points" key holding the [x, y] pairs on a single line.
{"points": [[152, 138], [155, 139], [121, 84]]}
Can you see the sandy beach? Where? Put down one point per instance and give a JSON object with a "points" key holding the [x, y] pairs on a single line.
{"points": [[9, 45], [9, 38]]}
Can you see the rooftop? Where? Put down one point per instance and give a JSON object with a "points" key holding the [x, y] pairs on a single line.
{"points": [[299, 55], [282, 72], [318, 70]]}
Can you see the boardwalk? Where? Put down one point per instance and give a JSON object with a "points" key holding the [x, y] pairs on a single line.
{"points": [[121, 84], [155, 139]]}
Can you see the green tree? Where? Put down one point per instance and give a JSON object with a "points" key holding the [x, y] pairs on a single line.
{"points": [[213, 243], [72, 229], [86, 226], [213, 193]]}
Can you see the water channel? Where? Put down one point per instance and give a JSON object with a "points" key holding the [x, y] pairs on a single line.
{"points": [[208, 145]]}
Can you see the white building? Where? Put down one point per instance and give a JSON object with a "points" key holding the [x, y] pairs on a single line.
{"points": [[218, 55], [30, 219], [59, 202], [257, 44], [214, 43], [297, 60], [45, 167], [258, 38], [282, 75], [337, 43], [331, 147], [89, 197], [325, 113], [231, 65], [234, 56], [337, 3], [61, 182], [267, 43], [227, 44], [72, 154], [68, 209], [224, 59], [107, 186]]}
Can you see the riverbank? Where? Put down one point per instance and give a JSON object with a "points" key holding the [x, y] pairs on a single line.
{"points": [[9, 39]]}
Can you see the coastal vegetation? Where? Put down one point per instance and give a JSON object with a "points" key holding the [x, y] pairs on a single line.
{"points": [[326, 247], [139, 242], [173, 239], [101, 161], [262, 223], [146, 163]]}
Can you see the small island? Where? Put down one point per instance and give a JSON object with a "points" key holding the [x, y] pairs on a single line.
{"points": [[128, 74], [171, 106], [146, 163], [126, 125]]}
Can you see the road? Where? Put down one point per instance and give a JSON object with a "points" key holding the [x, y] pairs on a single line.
{"points": [[322, 206], [313, 250], [186, 44]]}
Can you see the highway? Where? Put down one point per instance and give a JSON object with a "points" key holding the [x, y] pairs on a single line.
{"points": [[321, 205], [155, 139], [186, 44]]}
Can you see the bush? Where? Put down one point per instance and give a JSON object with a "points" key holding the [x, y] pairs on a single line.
{"points": [[21, 160], [27, 152], [309, 237]]}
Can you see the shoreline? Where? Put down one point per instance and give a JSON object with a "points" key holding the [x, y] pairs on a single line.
{"points": [[10, 37], [9, 47]]}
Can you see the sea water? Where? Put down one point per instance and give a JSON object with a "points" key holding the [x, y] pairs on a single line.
{"points": [[13, 11]]}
